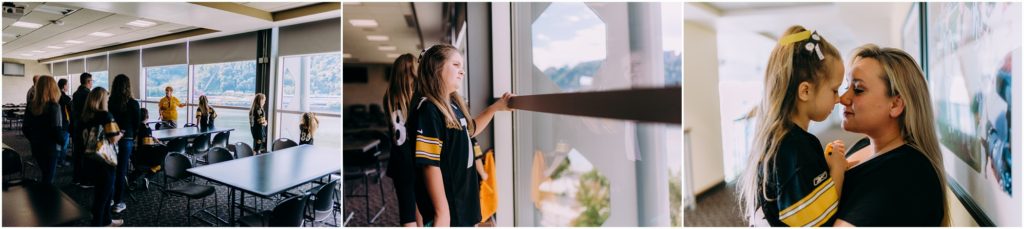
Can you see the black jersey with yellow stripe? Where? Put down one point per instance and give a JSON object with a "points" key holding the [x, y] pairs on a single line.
{"points": [[802, 190], [452, 151]]}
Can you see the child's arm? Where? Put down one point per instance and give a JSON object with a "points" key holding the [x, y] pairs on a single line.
{"points": [[480, 169], [484, 118], [435, 189]]}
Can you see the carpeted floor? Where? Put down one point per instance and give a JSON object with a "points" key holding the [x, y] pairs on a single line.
{"points": [[716, 208], [144, 210]]}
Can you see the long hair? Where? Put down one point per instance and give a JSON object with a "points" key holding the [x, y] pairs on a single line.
{"points": [[903, 78], [44, 92], [399, 93], [430, 83], [120, 93], [789, 65], [309, 122], [257, 103], [204, 105], [95, 103]]}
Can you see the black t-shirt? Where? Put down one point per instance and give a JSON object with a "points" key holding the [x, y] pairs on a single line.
{"points": [[799, 180], [451, 151], [898, 188]]}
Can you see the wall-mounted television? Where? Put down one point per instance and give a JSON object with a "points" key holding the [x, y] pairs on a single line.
{"points": [[14, 69], [355, 74]]}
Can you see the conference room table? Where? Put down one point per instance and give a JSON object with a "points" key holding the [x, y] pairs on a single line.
{"points": [[186, 132], [270, 174], [33, 204]]}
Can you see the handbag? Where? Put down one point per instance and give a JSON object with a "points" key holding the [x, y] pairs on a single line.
{"points": [[98, 147]]}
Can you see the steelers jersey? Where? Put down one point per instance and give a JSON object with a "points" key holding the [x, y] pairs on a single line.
{"points": [[451, 150], [802, 190]]}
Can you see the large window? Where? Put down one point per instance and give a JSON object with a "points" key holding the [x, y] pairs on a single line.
{"points": [[310, 83], [230, 87], [160, 77], [100, 79], [584, 171]]}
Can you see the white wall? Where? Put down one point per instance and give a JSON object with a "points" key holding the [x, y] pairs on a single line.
{"points": [[14, 87], [370, 92], [701, 106]]}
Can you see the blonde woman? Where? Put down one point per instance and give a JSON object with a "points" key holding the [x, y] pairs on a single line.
{"points": [[258, 123], [95, 115], [205, 114], [307, 128], [169, 107], [896, 178], [44, 126]]}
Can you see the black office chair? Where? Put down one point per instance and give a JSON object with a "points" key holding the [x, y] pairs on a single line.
{"points": [[283, 143], [163, 125], [199, 147], [322, 206], [376, 115], [288, 213], [13, 165], [146, 157], [189, 125], [177, 145], [221, 139], [219, 154], [175, 166], [242, 150]]}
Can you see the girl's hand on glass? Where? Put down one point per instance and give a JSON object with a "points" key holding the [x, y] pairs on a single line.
{"points": [[502, 104]]}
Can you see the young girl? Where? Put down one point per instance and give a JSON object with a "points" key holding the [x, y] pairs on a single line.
{"points": [[307, 128], [448, 193], [205, 113], [258, 124], [397, 104], [790, 180], [95, 115]]}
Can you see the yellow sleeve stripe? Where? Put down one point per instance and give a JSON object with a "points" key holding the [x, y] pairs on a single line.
{"points": [[814, 209], [476, 151], [420, 154], [428, 148]]}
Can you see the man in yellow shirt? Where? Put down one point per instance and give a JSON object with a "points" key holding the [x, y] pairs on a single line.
{"points": [[169, 107]]}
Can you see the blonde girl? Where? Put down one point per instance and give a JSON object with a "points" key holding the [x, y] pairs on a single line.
{"points": [[790, 180]]}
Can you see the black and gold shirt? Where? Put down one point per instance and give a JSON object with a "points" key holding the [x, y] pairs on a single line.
{"points": [[800, 184], [452, 151]]}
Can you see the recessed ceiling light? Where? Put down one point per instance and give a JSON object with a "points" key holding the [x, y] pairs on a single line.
{"points": [[377, 38], [54, 47], [141, 23], [38, 51], [363, 22], [73, 42], [346, 55], [29, 25], [394, 55], [27, 54], [387, 48], [101, 34]]}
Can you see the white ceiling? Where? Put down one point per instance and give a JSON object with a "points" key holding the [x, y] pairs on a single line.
{"points": [[391, 22], [101, 17], [276, 6], [846, 25]]}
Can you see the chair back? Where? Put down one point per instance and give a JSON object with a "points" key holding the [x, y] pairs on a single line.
{"points": [[12, 162], [221, 139], [201, 143], [219, 154], [283, 143], [242, 150], [177, 145], [175, 166], [288, 213]]}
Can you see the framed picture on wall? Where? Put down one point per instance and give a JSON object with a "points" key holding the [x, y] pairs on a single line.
{"points": [[973, 66]]}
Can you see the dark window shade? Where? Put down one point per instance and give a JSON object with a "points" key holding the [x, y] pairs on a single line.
{"points": [[164, 55]]}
